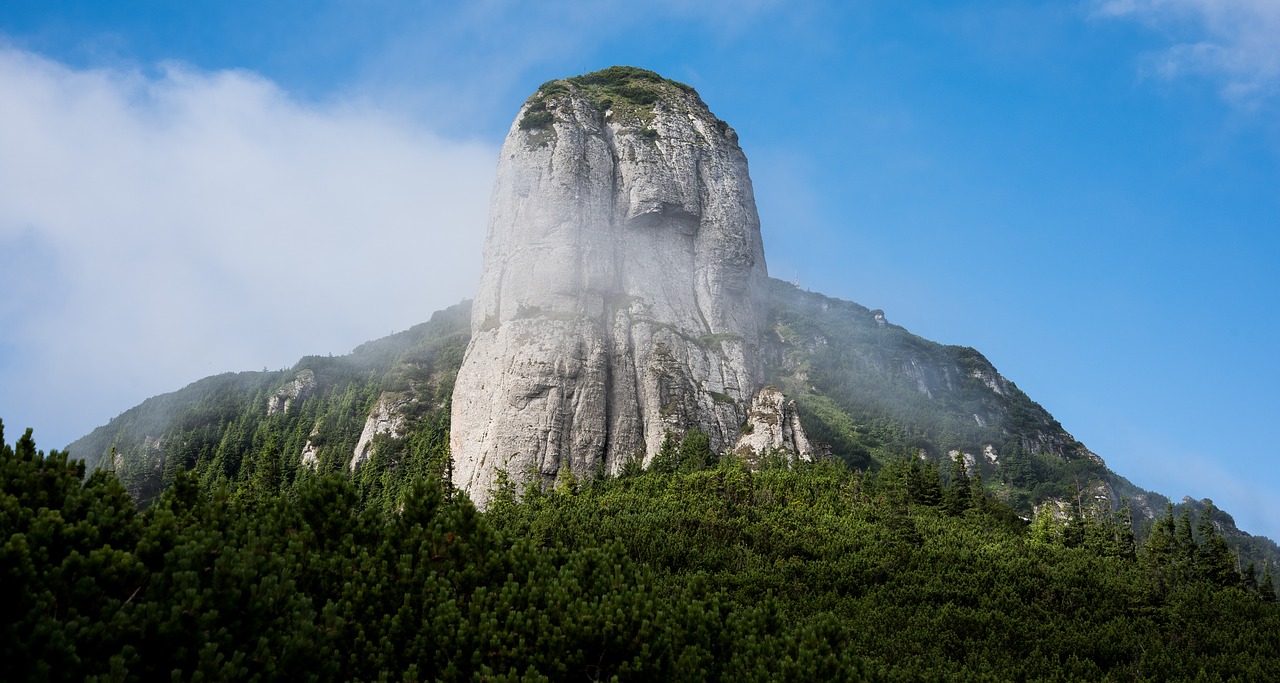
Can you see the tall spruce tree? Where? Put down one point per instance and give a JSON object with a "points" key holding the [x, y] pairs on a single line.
{"points": [[959, 495], [1267, 584], [930, 484], [1215, 562]]}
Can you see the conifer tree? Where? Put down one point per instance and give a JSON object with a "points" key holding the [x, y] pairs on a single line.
{"points": [[1185, 534], [1267, 586], [566, 481], [978, 490], [1214, 560], [1251, 577], [695, 451], [1160, 553], [667, 459], [1045, 529], [633, 466], [1073, 532], [893, 482], [958, 496], [1125, 543], [502, 497], [1099, 531], [266, 475], [1161, 548], [930, 484], [914, 478], [1016, 466]]}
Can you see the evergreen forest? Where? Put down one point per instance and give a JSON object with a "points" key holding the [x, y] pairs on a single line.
{"points": [[697, 568]]}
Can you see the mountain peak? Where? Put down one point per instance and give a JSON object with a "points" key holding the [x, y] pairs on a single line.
{"points": [[625, 96], [623, 286]]}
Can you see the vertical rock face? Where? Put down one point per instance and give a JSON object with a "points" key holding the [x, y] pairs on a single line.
{"points": [[285, 396], [386, 417], [773, 426], [622, 293]]}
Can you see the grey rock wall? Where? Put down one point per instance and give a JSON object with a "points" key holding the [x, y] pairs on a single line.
{"points": [[622, 291], [773, 426]]}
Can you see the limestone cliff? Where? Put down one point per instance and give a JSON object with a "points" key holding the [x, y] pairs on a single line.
{"points": [[386, 417], [622, 293], [773, 427]]}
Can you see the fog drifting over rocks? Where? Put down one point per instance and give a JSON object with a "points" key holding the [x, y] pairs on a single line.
{"points": [[159, 228]]}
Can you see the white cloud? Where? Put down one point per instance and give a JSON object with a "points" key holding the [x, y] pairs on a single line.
{"points": [[1235, 41], [163, 228]]}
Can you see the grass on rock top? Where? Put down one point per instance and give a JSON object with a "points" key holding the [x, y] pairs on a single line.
{"points": [[629, 93]]}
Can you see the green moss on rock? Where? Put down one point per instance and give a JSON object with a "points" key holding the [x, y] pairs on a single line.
{"points": [[627, 93]]}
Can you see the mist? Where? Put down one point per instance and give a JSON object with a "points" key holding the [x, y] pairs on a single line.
{"points": [[161, 227]]}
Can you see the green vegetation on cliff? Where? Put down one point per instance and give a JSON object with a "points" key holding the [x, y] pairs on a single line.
{"points": [[869, 389], [224, 427], [630, 93]]}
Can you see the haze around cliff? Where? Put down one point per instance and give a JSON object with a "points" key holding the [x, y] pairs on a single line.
{"points": [[158, 228], [1022, 180]]}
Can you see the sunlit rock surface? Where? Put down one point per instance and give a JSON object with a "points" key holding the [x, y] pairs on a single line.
{"points": [[622, 293], [773, 428]]}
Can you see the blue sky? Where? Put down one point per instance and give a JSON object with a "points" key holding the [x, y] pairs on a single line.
{"points": [[1087, 192]]}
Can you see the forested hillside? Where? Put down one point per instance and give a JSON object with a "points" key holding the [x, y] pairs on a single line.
{"points": [[253, 428], [699, 569], [868, 389]]}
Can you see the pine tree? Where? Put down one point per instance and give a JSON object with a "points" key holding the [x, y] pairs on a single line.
{"points": [[695, 451], [1185, 561], [1099, 531], [1074, 532], [566, 481], [1214, 560], [978, 491], [930, 485], [1045, 528], [958, 496], [1126, 546], [1251, 577], [1160, 552], [266, 475], [502, 497], [632, 466], [914, 478], [1016, 466], [1267, 586], [667, 459]]}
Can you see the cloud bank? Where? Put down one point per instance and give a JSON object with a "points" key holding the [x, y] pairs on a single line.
{"points": [[158, 228], [1234, 41]]}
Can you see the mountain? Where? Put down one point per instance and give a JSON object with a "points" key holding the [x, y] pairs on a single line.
{"points": [[624, 299], [623, 284]]}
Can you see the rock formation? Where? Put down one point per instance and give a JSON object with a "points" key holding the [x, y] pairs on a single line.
{"points": [[773, 427], [291, 392], [622, 293], [386, 417]]}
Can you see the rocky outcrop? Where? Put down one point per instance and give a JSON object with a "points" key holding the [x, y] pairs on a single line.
{"points": [[386, 417], [291, 392], [970, 462], [311, 452], [622, 287], [773, 427]]}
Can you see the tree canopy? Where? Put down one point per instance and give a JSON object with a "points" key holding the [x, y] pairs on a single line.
{"points": [[713, 572]]}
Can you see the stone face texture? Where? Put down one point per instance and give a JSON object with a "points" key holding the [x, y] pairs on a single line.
{"points": [[288, 394], [621, 295], [773, 425], [386, 417]]}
